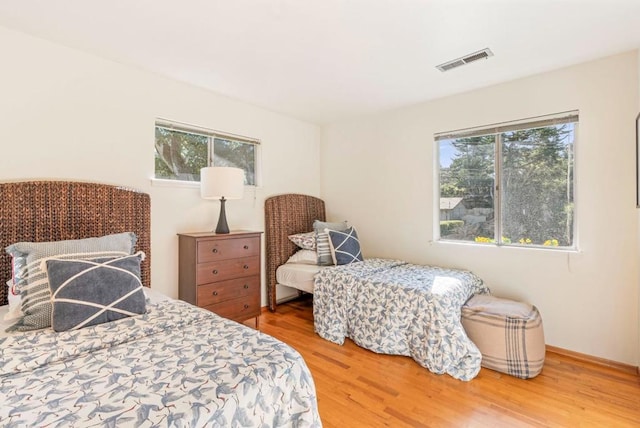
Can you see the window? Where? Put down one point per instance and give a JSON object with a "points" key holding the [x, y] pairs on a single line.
{"points": [[509, 184], [181, 151]]}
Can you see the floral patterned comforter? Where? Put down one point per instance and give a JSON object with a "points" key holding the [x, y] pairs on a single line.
{"points": [[393, 307], [175, 366]]}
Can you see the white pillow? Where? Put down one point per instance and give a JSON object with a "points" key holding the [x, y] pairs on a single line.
{"points": [[305, 257], [15, 303]]}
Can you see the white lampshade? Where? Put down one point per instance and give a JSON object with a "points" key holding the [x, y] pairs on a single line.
{"points": [[217, 182]]}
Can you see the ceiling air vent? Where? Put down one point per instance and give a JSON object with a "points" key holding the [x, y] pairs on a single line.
{"points": [[475, 56]]}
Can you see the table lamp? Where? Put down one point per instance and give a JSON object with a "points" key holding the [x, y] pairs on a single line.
{"points": [[221, 183]]}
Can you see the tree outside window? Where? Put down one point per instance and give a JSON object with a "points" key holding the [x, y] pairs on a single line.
{"points": [[181, 153], [526, 198]]}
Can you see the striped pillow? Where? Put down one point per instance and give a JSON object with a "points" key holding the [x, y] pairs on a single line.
{"points": [[322, 240], [32, 282], [90, 292]]}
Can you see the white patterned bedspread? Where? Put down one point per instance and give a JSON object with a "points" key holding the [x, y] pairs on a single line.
{"points": [[176, 366], [392, 307]]}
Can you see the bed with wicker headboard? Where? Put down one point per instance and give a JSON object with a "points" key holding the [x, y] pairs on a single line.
{"points": [[171, 364], [40, 211], [286, 215], [387, 306]]}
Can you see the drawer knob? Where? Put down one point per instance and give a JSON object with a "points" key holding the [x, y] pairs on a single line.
{"points": [[215, 271], [246, 306], [246, 247], [246, 286], [246, 266], [215, 293], [215, 250]]}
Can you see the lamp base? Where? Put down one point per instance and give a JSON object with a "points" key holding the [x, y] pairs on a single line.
{"points": [[222, 227]]}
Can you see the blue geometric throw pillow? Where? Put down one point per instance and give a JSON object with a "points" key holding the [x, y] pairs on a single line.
{"points": [[345, 246], [90, 292], [323, 246]]}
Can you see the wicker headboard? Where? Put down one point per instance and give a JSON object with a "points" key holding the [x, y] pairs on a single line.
{"points": [[40, 211], [284, 216]]}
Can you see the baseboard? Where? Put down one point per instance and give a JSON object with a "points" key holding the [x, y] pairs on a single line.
{"points": [[287, 299], [626, 368], [278, 302]]}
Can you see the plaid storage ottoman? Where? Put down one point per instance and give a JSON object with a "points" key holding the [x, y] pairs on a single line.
{"points": [[509, 334]]}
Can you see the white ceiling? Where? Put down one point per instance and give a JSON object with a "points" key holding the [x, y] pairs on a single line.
{"points": [[327, 60]]}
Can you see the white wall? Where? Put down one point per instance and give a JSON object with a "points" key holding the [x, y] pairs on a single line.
{"points": [[66, 114], [378, 172]]}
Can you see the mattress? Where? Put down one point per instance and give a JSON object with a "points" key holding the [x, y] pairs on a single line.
{"points": [[297, 275]]}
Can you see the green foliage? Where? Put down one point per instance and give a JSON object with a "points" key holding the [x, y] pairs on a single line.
{"points": [[536, 181], [537, 184], [471, 174], [180, 155], [235, 154], [450, 190], [449, 226], [485, 240], [521, 241]]}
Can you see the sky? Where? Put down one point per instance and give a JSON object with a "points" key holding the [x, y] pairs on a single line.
{"points": [[447, 152]]}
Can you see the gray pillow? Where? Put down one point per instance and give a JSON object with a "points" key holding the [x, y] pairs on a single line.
{"points": [[322, 240], [90, 292], [31, 280], [345, 246]]}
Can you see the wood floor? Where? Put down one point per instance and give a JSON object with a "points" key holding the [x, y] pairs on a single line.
{"points": [[358, 388]]}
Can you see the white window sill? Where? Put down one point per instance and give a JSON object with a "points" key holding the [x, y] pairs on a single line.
{"points": [[507, 246], [159, 182]]}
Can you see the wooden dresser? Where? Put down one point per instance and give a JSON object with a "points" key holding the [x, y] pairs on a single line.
{"points": [[221, 273]]}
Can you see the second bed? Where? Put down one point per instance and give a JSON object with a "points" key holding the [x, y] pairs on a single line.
{"points": [[386, 306]]}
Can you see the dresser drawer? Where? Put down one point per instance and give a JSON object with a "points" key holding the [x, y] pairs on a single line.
{"points": [[222, 249], [227, 269], [237, 309], [218, 292]]}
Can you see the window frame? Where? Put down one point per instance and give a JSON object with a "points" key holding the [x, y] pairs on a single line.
{"points": [[211, 135], [497, 130]]}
